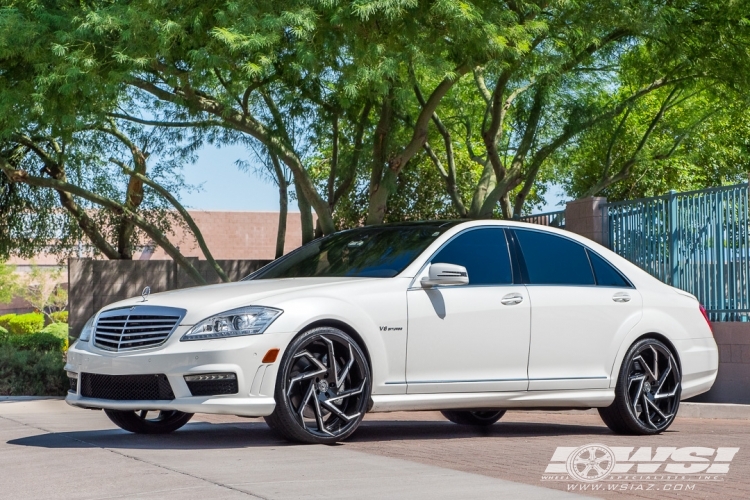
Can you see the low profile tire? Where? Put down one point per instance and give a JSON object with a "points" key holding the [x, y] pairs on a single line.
{"points": [[647, 394], [478, 418], [161, 422], [322, 389]]}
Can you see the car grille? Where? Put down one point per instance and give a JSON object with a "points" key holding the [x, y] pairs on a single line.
{"points": [[126, 387], [73, 384], [136, 327]]}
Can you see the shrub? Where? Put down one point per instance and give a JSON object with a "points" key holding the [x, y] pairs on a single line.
{"points": [[3, 332], [60, 316], [40, 342], [31, 373], [24, 324], [5, 318]]}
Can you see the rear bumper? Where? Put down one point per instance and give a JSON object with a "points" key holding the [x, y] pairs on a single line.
{"points": [[700, 365]]}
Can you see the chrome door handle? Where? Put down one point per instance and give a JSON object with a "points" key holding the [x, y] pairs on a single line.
{"points": [[621, 297], [512, 299]]}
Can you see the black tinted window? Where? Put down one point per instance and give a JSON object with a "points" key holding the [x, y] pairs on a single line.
{"points": [[484, 254], [552, 260], [379, 252], [606, 275]]}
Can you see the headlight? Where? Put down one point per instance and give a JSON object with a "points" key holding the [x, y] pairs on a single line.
{"points": [[251, 320], [87, 330]]}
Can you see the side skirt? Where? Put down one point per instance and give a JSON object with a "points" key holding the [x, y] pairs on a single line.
{"points": [[589, 398]]}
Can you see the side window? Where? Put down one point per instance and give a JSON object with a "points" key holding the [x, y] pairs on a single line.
{"points": [[606, 275], [553, 260], [484, 254]]}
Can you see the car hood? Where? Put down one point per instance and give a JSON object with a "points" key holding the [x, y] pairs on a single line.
{"points": [[203, 301]]}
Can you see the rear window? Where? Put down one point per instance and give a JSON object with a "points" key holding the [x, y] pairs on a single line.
{"points": [[554, 260]]}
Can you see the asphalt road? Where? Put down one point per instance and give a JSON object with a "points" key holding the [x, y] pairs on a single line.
{"points": [[49, 450]]}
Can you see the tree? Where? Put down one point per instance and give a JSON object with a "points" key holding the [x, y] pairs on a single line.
{"points": [[8, 283], [41, 288]]}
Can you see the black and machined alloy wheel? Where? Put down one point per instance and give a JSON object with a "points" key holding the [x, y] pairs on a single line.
{"points": [[473, 417], [322, 389], [648, 390], [149, 422]]}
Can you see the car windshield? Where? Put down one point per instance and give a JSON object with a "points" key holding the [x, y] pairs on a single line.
{"points": [[372, 252]]}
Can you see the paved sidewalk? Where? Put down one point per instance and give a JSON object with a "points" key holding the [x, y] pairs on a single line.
{"points": [[49, 450]]}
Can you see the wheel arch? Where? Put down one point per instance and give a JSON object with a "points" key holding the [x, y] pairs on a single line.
{"points": [[346, 328], [626, 347]]}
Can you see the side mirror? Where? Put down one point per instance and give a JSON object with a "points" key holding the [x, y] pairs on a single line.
{"points": [[445, 274]]}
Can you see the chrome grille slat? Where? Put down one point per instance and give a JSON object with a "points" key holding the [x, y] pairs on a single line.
{"points": [[137, 327]]}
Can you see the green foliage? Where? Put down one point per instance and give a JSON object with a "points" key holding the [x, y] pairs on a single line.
{"points": [[25, 324], [37, 372], [5, 319], [3, 332], [59, 316], [8, 283], [40, 341]]}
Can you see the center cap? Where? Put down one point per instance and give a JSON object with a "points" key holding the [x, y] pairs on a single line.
{"points": [[322, 386], [647, 386]]}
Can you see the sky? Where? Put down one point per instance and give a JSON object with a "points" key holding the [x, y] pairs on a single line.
{"points": [[223, 186]]}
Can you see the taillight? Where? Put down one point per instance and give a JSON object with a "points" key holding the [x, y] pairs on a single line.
{"points": [[705, 315]]}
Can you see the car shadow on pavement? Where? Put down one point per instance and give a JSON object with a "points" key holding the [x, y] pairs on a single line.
{"points": [[206, 435]]}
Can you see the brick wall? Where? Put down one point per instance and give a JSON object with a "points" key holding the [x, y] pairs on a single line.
{"points": [[733, 382], [93, 284], [585, 217]]}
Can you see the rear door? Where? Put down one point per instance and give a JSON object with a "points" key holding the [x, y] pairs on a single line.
{"points": [[475, 337], [581, 307]]}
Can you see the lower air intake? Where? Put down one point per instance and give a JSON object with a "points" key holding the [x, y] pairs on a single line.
{"points": [[126, 387]]}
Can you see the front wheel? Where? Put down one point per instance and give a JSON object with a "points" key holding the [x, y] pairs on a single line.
{"points": [[647, 394], [478, 417], [149, 422], [322, 389]]}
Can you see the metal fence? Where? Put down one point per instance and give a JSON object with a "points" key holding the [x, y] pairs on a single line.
{"points": [[552, 219], [697, 241]]}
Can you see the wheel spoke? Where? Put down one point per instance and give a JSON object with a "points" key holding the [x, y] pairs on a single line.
{"points": [[345, 371], [306, 375], [319, 415], [656, 408], [331, 358], [641, 379], [645, 405], [655, 372], [645, 366], [310, 393]]}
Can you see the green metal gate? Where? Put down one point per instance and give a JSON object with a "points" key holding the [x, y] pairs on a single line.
{"points": [[697, 241]]}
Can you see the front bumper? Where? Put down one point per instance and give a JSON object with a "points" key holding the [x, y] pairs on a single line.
{"points": [[256, 380]]}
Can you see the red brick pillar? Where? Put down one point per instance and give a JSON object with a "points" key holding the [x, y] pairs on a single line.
{"points": [[585, 217]]}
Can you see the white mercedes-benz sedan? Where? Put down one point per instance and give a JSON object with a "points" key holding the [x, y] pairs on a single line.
{"points": [[469, 318]]}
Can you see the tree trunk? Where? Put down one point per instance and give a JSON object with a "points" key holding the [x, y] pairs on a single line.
{"points": [[283, 205], [305, 211]]}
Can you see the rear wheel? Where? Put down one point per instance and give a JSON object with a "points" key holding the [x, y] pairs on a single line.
{"points": [[149, 422], [478, 417], [323, 388], [647, 394]]}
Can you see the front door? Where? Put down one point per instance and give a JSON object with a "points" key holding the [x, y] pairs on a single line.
{"points": [[475, 337], [582, 307]]}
